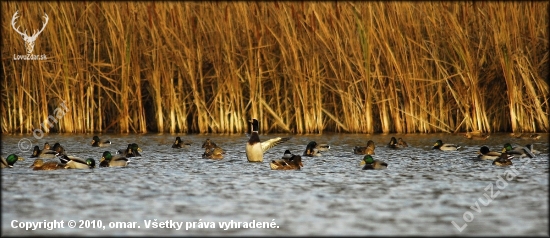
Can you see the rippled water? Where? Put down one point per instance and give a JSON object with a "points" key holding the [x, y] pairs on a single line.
{"points": [[421, 193]]}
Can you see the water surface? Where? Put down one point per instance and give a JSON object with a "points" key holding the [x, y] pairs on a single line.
{"points": [[420, 193]]}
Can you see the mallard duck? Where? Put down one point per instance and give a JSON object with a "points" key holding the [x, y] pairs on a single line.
{"points": [[10, 161], [108, 160], [179, 143], [131, 151], [371, 163], [208, 144], [439, 145], [255, 149], [486, 154], [99, 143], [476, 135], [314, 149], [59, 150], [518, 150], [47, 154], [503, 160], [213, 153], [72, 162], [526, 136], [397, 143], [39, 164], [292, 163], [365, 150]]}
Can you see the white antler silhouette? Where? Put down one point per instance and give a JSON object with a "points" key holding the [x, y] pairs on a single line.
{"points": [[29, 40]]}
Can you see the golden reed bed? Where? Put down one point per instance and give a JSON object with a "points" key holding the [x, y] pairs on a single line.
{"points": [[299, 67]]}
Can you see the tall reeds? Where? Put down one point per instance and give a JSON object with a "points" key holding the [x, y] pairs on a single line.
{"points": [[299, 67]]}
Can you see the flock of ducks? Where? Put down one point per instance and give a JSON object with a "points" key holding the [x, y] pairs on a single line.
{"points": [[255, 149]]}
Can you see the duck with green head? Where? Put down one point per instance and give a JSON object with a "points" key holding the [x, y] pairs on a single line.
{"points": [[10, 161], [108, 160], [96, 142], [73, 162], [39, 164], [213, 153], [439, 145], [518, 150], [503, 160], [486, 154], [371, 163], [292, 163], [180, 144], [365, 150]]}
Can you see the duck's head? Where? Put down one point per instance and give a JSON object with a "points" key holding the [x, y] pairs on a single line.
{"points": [[55, 146], [12, 159], [35, 151], [178, 140], [297, 160], [255, 125], [368, 159], [484, 150], [310, 147], [37, 163], [437, 144], [287, 154], [370, 144], [393, 141], [507, 147], [106, 156], [135, 147], [95, 139], [90, 162], [46, 146]]}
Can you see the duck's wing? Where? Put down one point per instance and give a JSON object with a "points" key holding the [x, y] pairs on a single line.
{"points": [[268, 144]]}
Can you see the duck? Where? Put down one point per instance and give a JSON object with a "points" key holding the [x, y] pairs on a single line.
{"points": [[314, 149], [518, 150], [108, 160], [439, 145], [476, 135], [503, 160], [179, 143], [526, 136], [365, 150], [397, 143], [208, 144], [9, 161], [39, 164], [96, 142], [58, 148], [255, 148], [486, 154], [292, 163], [131, 151], [44, 153], [213, 153], [72, 162], [371, 163]]}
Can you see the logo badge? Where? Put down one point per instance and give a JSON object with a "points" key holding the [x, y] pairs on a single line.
{"points": [[29, 40]]}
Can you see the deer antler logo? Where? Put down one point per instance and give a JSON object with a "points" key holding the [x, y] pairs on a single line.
{"points": [[29, 40]]}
